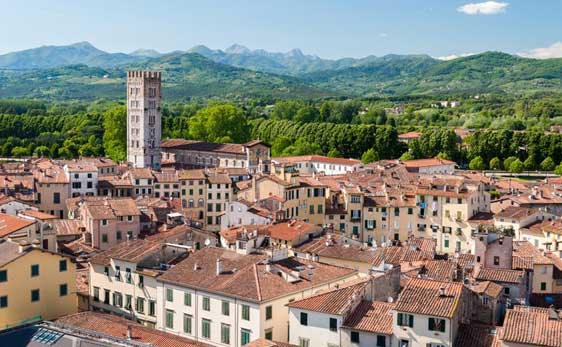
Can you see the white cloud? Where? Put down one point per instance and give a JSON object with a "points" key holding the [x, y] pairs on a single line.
{"points": [[455, 56], [552, 51], [488, 7]]}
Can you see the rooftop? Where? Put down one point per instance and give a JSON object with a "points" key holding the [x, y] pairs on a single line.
{"points": [[10, 224], [434, 303], [373, 317], [317, 159], [500, 275], [131, 251], [532, 326]]}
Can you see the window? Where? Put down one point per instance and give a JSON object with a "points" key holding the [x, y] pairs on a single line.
{"points": [[333, 324], [304, 318], [303, 342], [118, 235], [104, 238], [169, 295], [3, 301], [405, 320], [225, 334], [151, 308], [128, 276], [62, 266], [446, 243], [117, 273], [496, 260], [187, 323], [268, 312], [244, 337], [34, 270], [410, 210], [245, 312], [96, 294], [436, 324], [206, 328], [381, 341], [226, 308], [3, 276], [187, 299], [117, 299], [355, 336], [104, 222], [206, 303], [63, 289], [56, 198], [140, 305], [269, 334], [169, 319], [141, 281], [543, 285], [35, 295], [106, 296]]}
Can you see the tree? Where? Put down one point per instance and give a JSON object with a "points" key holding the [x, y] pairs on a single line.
{"points": [[558, 169], [41, 151], [516, 166], [219, 123], [495, 163], [529, 163], [20, 151], [279, 144], [443, 155], [115, 134], [507, 162], [334, 153], [302, 147], [548, 164], [407, 156], [307, 114], [369, 156], [477, 164]]}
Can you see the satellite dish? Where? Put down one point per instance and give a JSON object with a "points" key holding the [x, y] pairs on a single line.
{"points": [[207, 242]]}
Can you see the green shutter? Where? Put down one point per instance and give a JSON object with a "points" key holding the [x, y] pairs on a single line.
{"points": [[431, 324], [411, 322], [400, 318]]}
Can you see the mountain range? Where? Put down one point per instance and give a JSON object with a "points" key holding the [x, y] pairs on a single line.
{"points": [[81, 71]]}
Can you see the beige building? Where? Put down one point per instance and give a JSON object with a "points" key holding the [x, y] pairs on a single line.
{"points": [[52, 190], [194, 193]]}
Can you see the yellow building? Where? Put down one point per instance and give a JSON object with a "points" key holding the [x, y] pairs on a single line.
{"points": [[34, 284]]}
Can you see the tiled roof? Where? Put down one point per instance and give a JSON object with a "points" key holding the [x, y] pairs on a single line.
{"points": [[219, 179], [500, 275], [246, 276], [141, 173], [317, 158], [488, 288], [68, 227], [10, 224], [37, 214], [440, 270], [335, 301], [200, 146], [531, 326], [516, 213], [374, 317], [107, 208], [82, 280], [261, 342], [131, 251], [116, 326], [339, 249], [433, 303], [197, 174], [472, 335], [427, 162], [290, 231], [410, 135]]}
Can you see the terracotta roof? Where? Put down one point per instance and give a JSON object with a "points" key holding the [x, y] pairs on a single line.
{"points": [[82, 280], [130, 251], [531, 326], [246, 276], [290, 231], [68, 227], [472, 335], [427, 162], [336, 301], [219, 179], [261, 342], [488, 288], [116, 326], [319, 159], [197, 174], [200, 146], [37, 214], [500, 275], [107, 208], [516, 213], [410, 135], [235, 233], [374, 317], [440, 270], [141, 173], [433, 304], [339, 249], [10, 224]]}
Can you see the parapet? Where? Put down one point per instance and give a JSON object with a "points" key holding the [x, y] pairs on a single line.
{"points": [[144, 74]]}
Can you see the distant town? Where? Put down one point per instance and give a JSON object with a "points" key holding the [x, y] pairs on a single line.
{"points": [[194, 243]]}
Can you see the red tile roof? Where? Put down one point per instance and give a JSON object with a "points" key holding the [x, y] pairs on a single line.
{"points": [[290, 231], [116, 326], [472, 335], [427, 162], [317, 158], [374, 317], [261, 342], [433, 304], [531, 326], [10, 224], [335, 301], [500, 275]]}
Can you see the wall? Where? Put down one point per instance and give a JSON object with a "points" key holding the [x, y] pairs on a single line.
{"points": [[317, 330]]}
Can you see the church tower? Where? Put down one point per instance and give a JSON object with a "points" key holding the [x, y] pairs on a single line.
{"points": [[144, 121]]}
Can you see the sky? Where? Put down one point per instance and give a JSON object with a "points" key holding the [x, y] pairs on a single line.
{"points": [[327, 28]]}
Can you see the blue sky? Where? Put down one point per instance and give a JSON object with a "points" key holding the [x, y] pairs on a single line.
{"points": [[328, 28]]}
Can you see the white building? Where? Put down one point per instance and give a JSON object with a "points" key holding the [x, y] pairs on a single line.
{"points": [[223, 298], [370, 325], [431, 166], [319, 164], [242, 212], [144, 120], [83, 179]]}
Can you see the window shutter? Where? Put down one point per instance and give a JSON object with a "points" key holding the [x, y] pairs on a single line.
{"points": [[431, 325], [399, 318], [411, 325], [442, 327]]}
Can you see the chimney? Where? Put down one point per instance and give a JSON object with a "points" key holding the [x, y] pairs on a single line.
{"points": [[442, 291], [23, 245], [129, 332], [219, 266]]}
